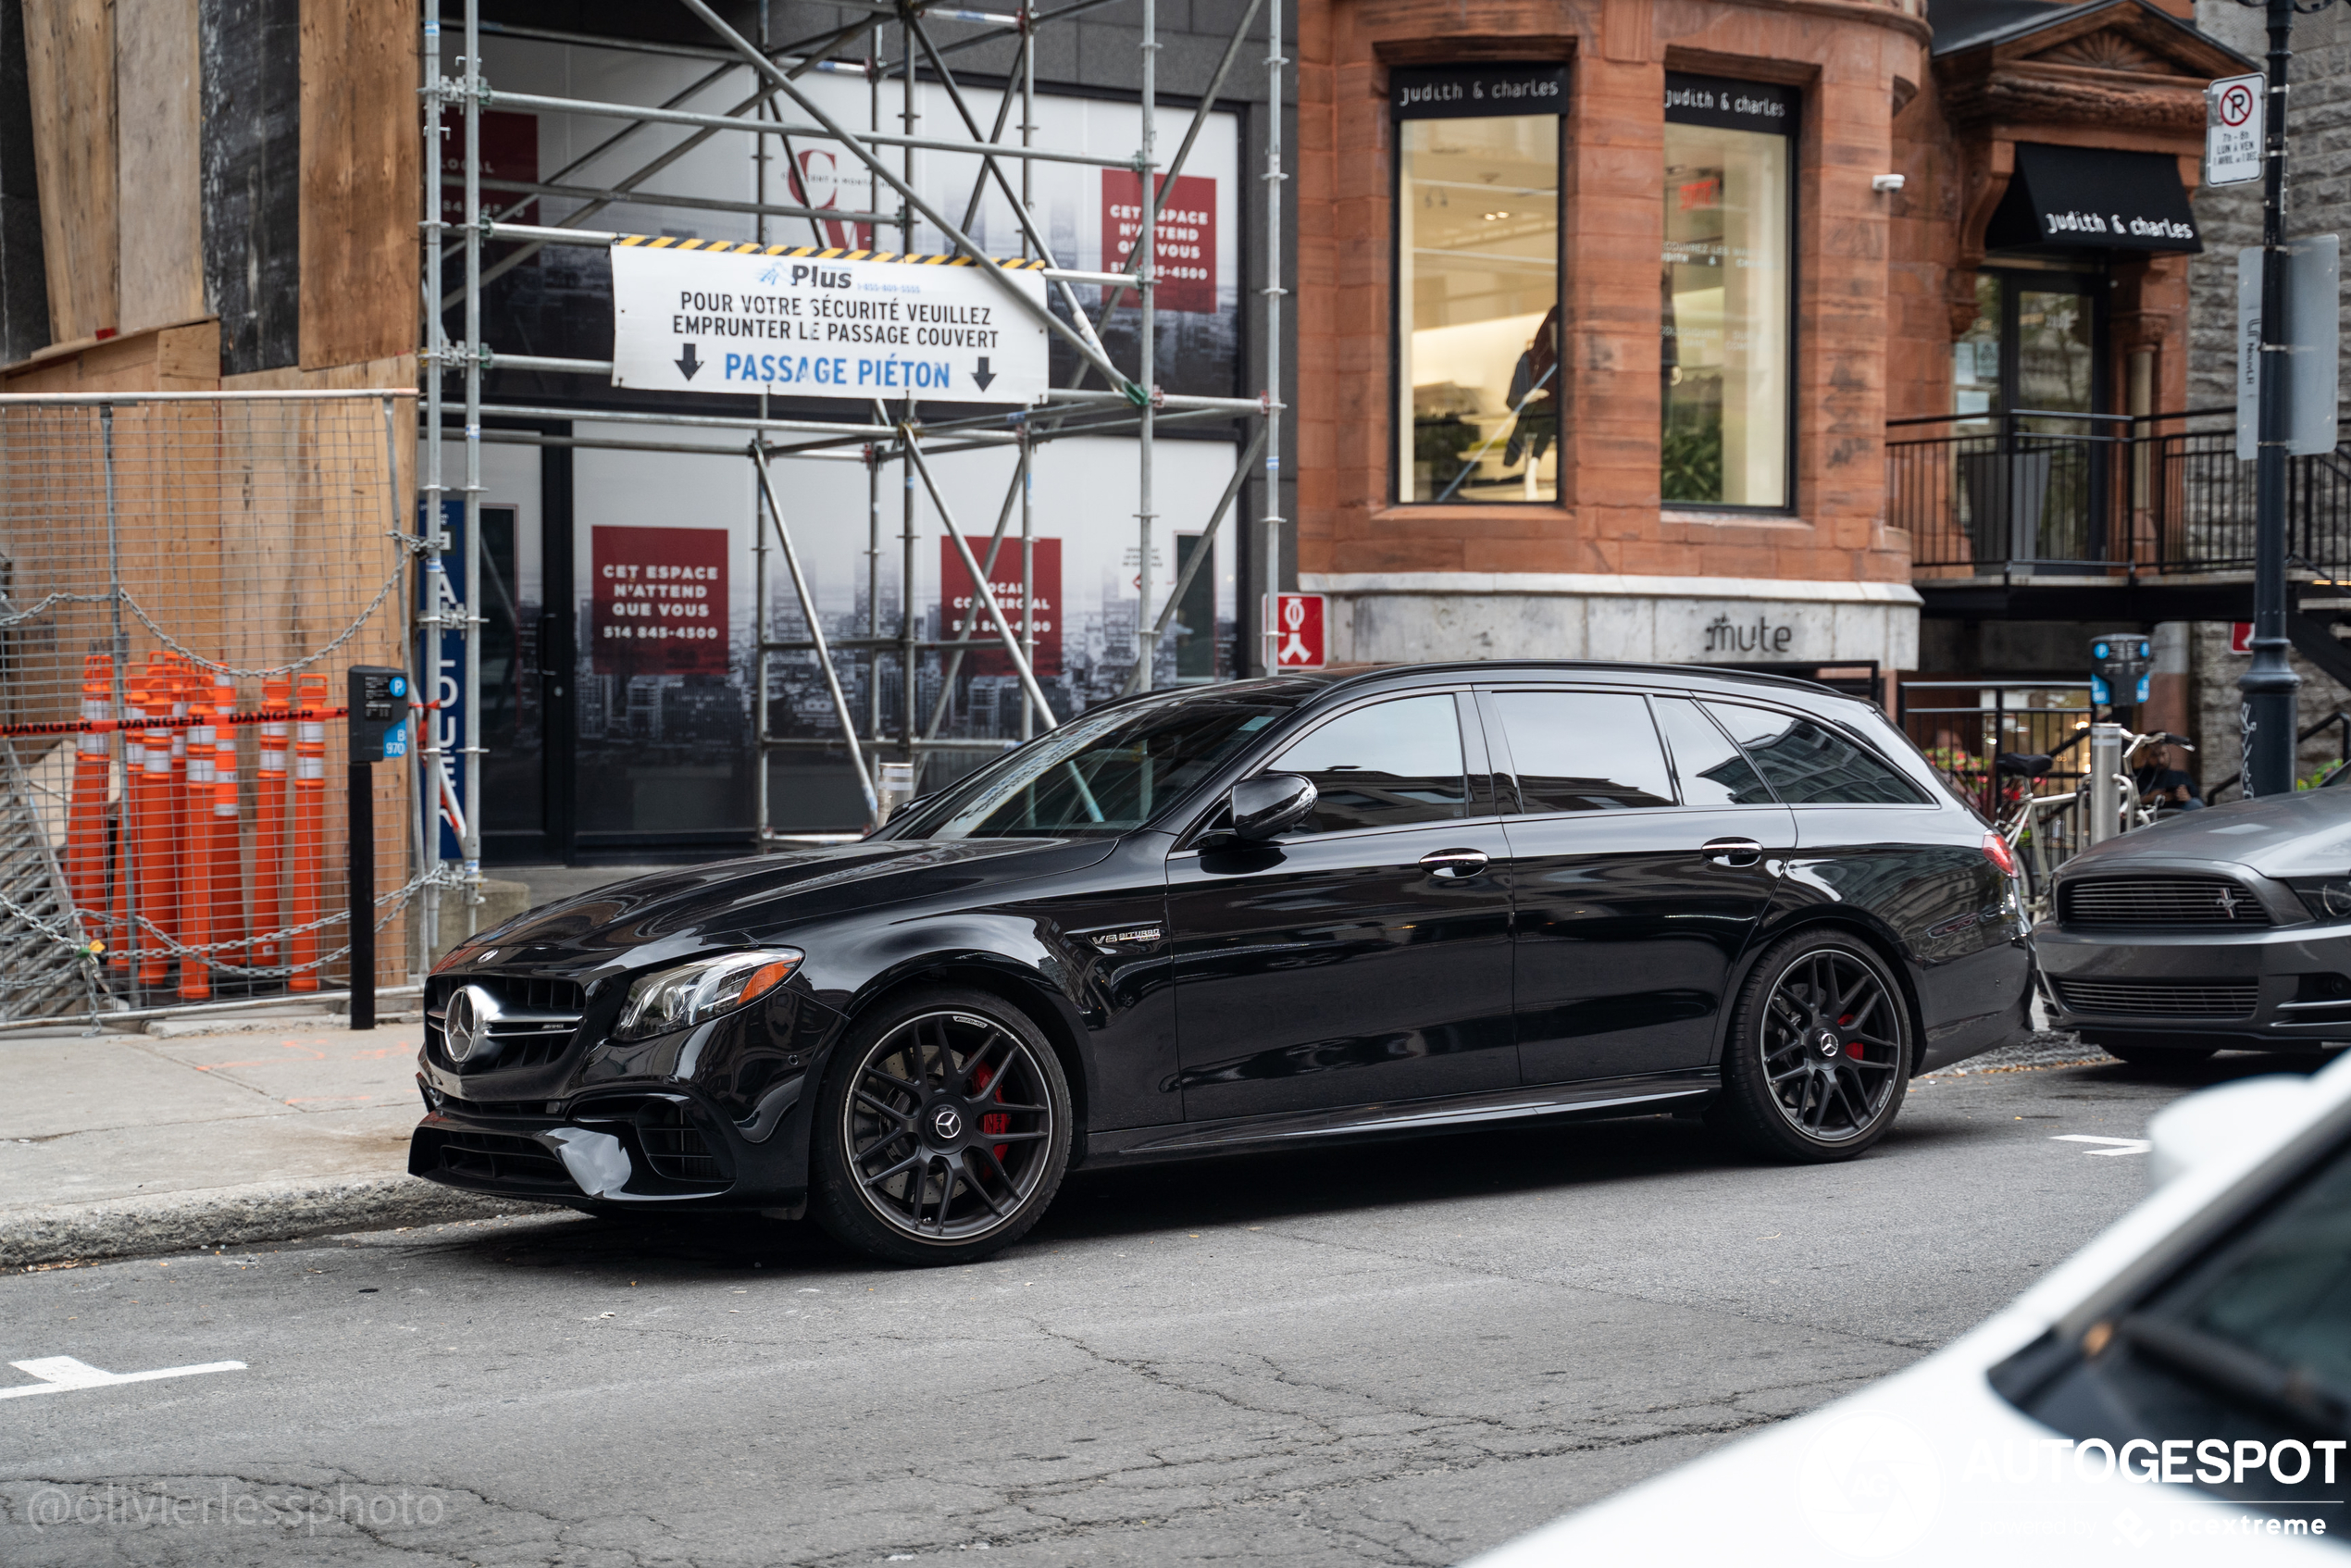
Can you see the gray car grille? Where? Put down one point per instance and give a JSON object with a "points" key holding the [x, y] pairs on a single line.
{"points": [[2159, 901], [2177, 999]]}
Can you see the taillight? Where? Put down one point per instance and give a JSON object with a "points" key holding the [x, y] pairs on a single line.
{"points": [[1996, 851]]}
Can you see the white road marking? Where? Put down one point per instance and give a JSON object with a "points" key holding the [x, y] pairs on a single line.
{"points": [[2122, 1145], [59, 1374]]}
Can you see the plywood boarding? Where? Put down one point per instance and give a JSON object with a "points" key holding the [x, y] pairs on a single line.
{"points": [[70, 71], [360, 152], [286, 602], [181, 358], [159, 137]]}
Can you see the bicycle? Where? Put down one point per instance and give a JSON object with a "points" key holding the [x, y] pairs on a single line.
{"points": [[2038, 833]]}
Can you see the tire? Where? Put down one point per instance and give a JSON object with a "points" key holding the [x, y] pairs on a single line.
{"points": [[917, 1155], [1806, 1084]]}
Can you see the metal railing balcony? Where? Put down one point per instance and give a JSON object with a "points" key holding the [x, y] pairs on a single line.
{"points": [[2039, 492]]}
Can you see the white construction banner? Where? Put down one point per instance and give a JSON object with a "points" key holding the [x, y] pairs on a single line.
{"points": [[717, 315]]}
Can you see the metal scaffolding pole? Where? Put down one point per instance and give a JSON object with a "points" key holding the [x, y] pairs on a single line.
{"points": [[1027, 447], [470, 797], [1147, 351], [429, 758], [1272, 293]]}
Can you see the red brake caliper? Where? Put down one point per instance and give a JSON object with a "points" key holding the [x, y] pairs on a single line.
{"points": [[995, 1121], [1852, 1048]]}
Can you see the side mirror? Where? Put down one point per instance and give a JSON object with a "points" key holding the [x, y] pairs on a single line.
{"points": [[1270, 803]]}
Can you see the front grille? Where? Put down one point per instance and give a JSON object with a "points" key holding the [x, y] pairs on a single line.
{"points": [[502, 1157], [2201, 902], [547, 1014], [673, 1146], [2179, 998]]}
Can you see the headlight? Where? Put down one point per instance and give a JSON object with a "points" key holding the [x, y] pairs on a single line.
{"points": [[673, 999], [2327, 898]]}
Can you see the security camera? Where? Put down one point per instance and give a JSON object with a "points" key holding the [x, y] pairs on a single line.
{"points": [[1885, 185]]}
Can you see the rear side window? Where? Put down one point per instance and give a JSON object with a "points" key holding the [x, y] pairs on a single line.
{"points": [[1390, 763], [1584, 751], [1808, 763], [1713, 772]]}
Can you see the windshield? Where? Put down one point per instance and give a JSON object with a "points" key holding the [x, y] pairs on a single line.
{"points": [[1103, 773]]}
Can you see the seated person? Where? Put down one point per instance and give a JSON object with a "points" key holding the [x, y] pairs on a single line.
{"points": [[2164, 781]]}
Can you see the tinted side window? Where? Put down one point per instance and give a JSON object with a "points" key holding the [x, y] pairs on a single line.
{"points": [[1713, 772], [1584, 751], [1378, 766], [1809, 764]]}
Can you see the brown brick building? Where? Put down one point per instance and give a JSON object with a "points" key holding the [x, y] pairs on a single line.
{"points": [[1521, 434]]}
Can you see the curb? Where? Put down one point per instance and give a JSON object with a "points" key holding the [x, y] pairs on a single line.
{"points": [[235, 1216]]}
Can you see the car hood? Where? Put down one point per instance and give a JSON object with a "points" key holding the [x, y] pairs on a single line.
{"points": [[738, 902], [2303, 834]]}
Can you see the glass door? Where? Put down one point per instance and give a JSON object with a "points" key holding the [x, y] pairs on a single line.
{"points": [[2035, 468]]}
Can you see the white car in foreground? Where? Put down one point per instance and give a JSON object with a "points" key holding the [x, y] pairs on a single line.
{"points": [[2178, 1391]]}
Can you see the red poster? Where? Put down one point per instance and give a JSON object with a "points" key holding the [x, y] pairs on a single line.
{"points": [[960, 606], [1186, 237], [660, 604]]}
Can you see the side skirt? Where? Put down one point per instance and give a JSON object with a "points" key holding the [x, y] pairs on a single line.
{"points": [[1594, 1098]]}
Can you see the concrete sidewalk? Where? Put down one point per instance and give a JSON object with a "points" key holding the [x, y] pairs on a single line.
{"points": [[125, 1144]]}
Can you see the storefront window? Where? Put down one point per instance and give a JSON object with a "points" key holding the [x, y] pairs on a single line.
{"points": [[1477, 283], [1728, 360]]}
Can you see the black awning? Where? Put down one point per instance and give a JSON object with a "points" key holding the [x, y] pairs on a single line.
{"points": [[2091, 199]]}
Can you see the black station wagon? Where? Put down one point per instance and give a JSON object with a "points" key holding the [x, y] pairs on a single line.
{"points": [[1270, 913]]}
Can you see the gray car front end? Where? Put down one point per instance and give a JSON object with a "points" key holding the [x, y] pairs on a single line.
{"points": [[2227, 928]]}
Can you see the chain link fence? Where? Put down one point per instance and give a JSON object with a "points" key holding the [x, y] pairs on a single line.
{"points": [[184, 579]]}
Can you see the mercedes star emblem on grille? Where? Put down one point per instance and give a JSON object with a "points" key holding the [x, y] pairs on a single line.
{"points": [[467, 1028]]}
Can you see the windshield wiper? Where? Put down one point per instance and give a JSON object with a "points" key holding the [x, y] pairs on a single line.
{"points": [[2301, 1392]]}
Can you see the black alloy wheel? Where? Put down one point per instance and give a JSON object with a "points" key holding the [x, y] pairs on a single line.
{"points": [[1820, 1050], [943, 1131]]}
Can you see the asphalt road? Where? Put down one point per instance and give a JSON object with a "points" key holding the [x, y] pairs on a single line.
{"points": [[1401, 1353]]}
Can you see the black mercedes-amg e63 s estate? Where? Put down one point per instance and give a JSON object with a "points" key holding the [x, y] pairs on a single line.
{"points": [[1258, 915]]}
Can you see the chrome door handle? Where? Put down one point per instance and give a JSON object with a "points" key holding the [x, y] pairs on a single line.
{"points": [[1454, 865], [1733, 852]]}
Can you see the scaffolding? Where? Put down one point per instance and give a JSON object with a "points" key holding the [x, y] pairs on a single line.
{"points": [[1129, 403]]}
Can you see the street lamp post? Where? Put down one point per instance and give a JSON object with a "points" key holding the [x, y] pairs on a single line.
{"points": [[2269, 684]]}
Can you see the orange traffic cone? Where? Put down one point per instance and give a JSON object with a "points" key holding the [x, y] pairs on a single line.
{"points": [[269, 826], [195, 745], [92, 767], [310, 829], [228, 883], [158, 879], [129, 866]]}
